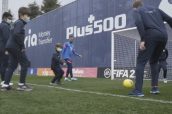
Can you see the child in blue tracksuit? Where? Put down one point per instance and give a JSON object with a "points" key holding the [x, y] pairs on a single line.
{"points": [[56, 63], [67, 54]]}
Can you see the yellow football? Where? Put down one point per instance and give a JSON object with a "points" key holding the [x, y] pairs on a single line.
{"points": [[128, 83]]}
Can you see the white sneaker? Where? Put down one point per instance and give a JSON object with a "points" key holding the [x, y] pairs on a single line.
{"points": [[74, 79], [11, 84], [165, 80], [67, 79], [2, 83], [53, 84], [23, 87], [5, 87]]}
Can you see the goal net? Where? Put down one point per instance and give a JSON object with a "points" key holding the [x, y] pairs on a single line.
{"points": [[124, 50]]}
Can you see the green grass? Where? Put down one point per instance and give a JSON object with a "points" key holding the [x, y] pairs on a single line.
{"points": [[46, 100]]}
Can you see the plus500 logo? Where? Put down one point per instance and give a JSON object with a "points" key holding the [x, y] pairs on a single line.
{"points": [[99, 26]]}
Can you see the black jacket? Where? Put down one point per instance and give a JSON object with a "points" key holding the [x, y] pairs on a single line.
{"points": [[148, 18], [4, 34], [56, 61], [17, 37]]}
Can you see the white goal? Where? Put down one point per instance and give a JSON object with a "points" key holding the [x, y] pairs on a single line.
{"points": [[124, 50], [124, 45]]}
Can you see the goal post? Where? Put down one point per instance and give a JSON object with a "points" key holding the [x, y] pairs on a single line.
{"points": [[124, 50], [124, 45]]}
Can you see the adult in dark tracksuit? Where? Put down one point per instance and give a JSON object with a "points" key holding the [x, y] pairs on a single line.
{"points": [[151, 27], [56, 63], [4, 36], [16, 48], [162, 63]]}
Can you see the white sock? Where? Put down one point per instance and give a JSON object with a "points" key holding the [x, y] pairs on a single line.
{"points": [[20, 84]]}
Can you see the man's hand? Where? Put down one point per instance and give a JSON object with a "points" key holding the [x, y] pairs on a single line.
{"points": [[64, 64], [6, 53], [142, 45], [80, 56], [23, 50]]}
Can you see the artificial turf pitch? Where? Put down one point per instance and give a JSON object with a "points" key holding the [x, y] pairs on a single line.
{"points": [[85, 96]]}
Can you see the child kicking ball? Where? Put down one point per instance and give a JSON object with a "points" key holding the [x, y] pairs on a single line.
{"points": [[56, 63]]}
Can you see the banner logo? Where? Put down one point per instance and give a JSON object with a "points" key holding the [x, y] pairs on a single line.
{"points": [[97, 26]]}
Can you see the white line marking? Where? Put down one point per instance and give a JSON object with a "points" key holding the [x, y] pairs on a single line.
{"points": [[105, 94]]}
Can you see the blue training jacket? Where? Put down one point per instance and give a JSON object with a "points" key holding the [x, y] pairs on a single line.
{"points": [[16, 40], [149, 18], [4, 34], [68, 51]]}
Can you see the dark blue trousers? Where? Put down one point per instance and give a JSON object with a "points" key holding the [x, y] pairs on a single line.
{"points": [[58, 75], [15, 58], [154, 47], [69, 68], [3, 64], [163, 65]]}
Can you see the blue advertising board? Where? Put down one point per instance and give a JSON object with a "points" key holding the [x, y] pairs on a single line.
{"points": [[90, 21]]}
